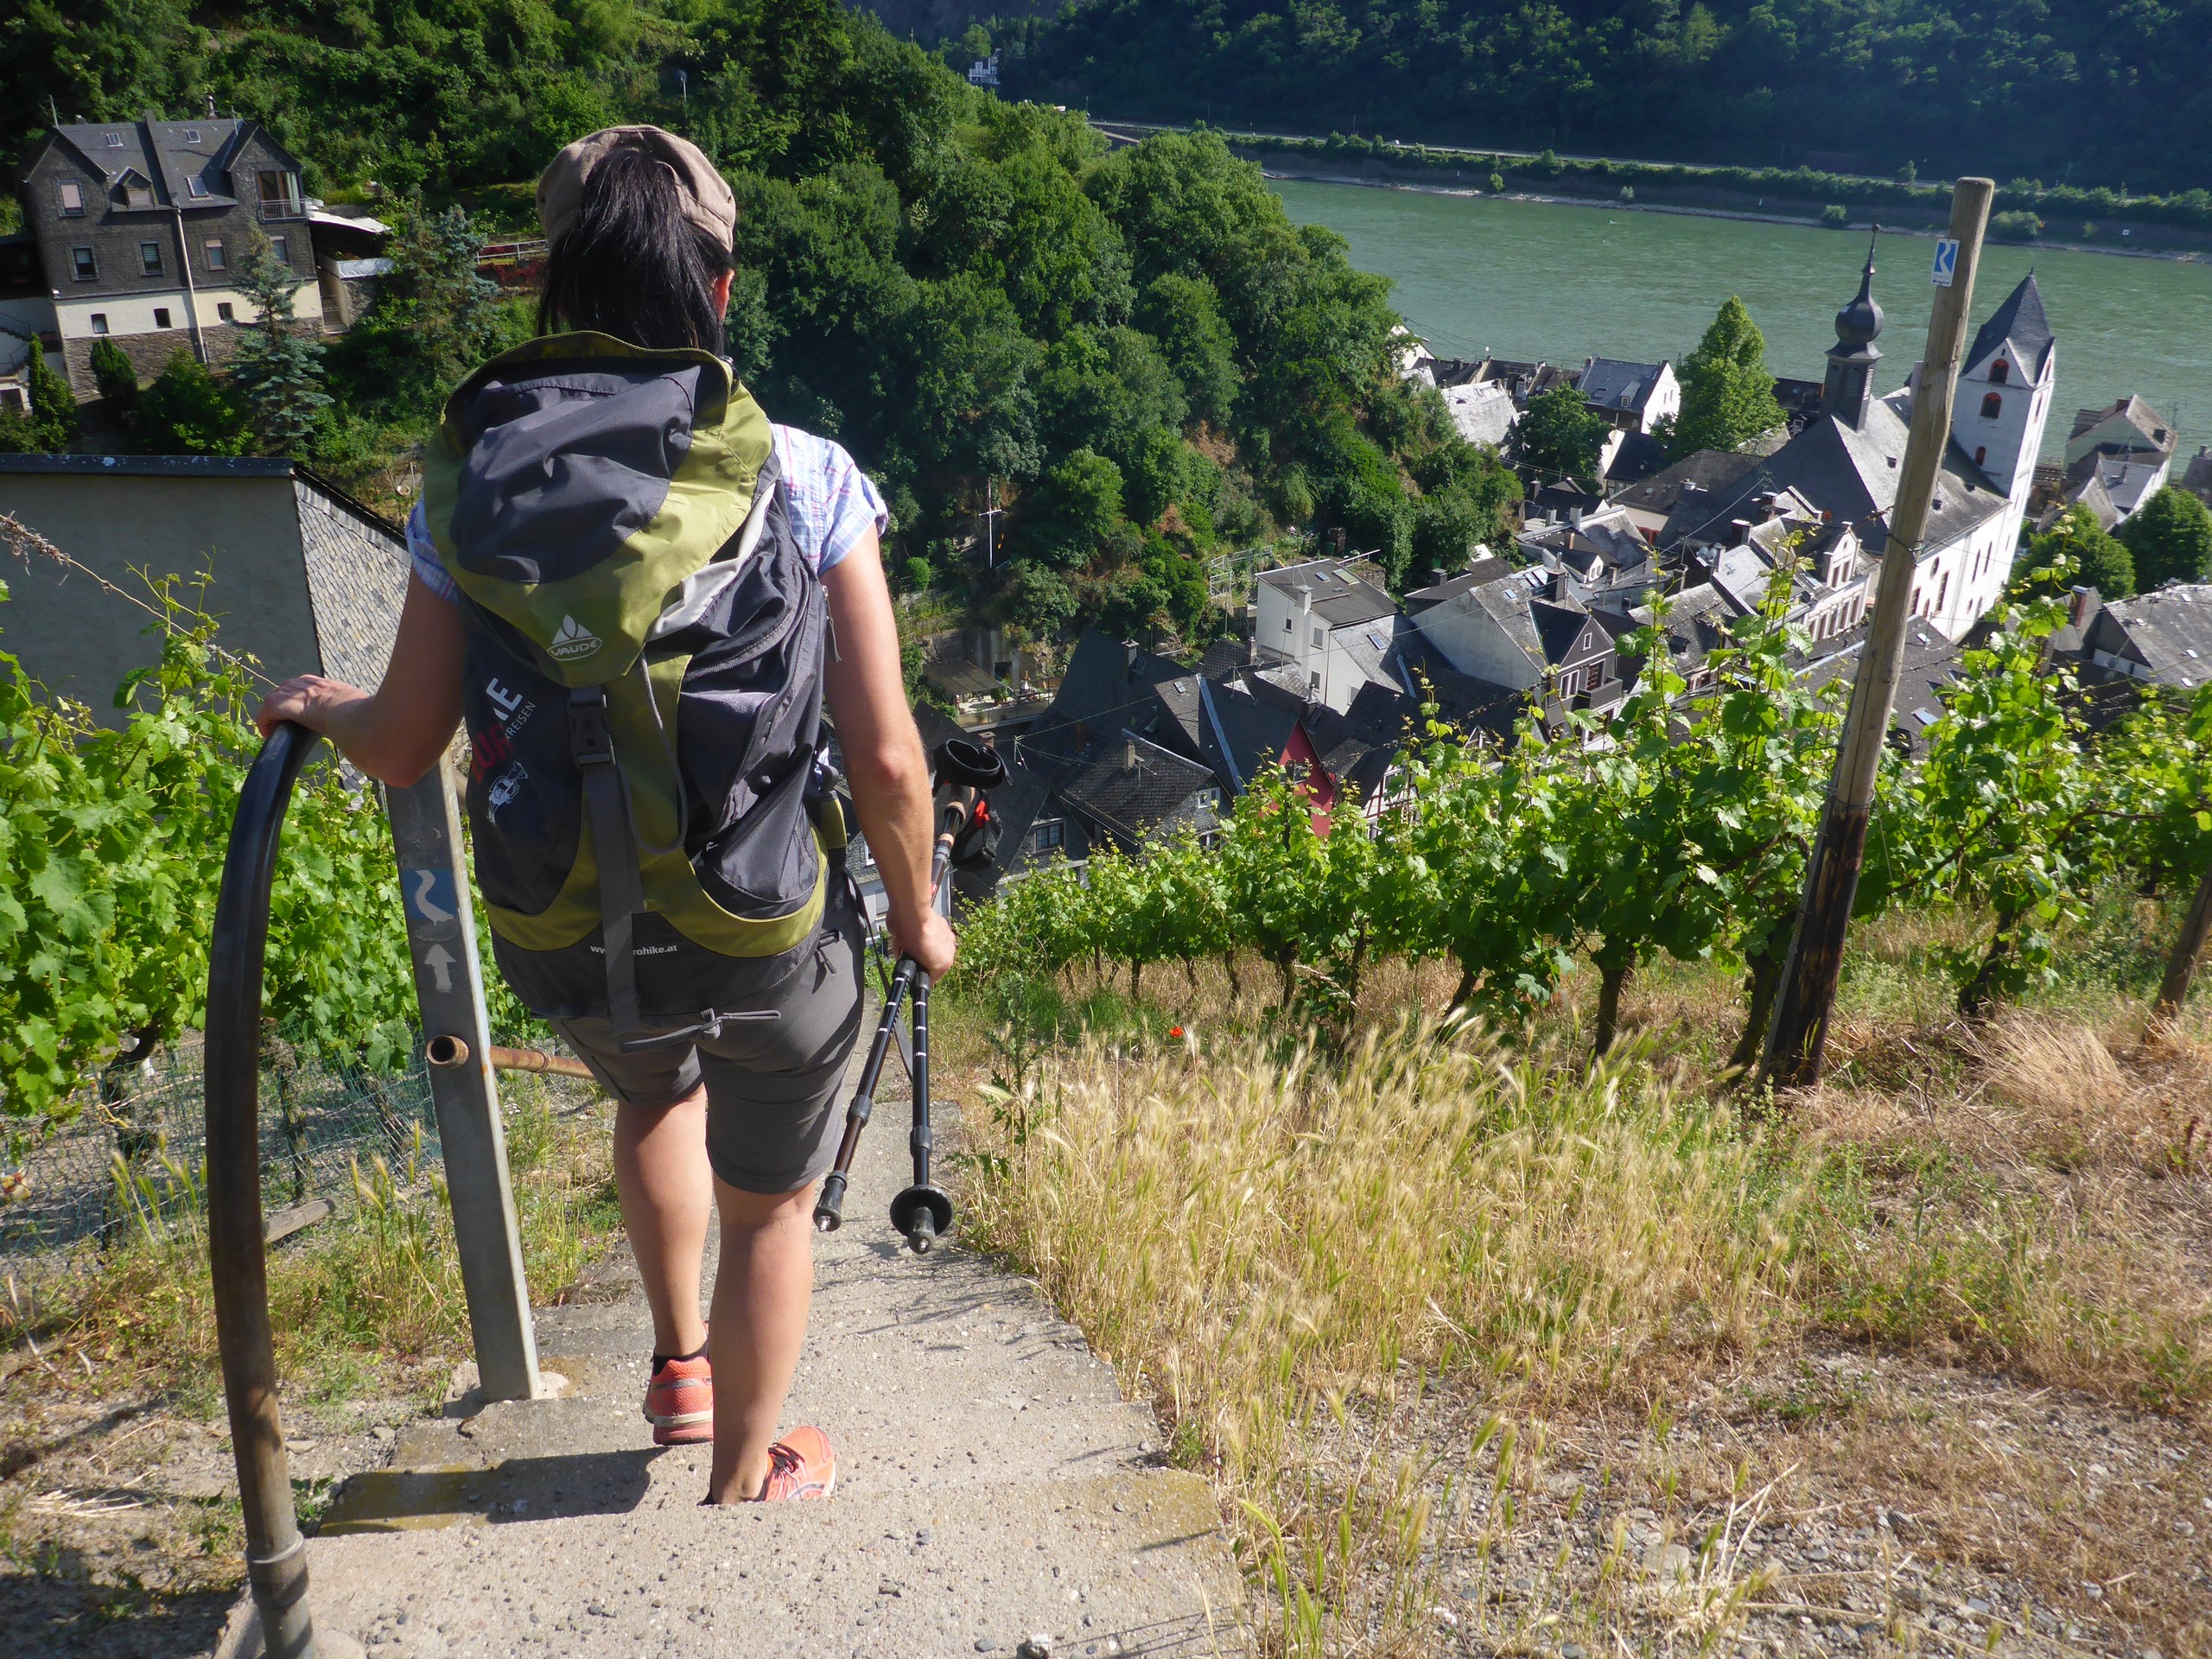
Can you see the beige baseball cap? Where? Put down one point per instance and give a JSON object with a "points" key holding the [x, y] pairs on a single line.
{"points": [[705, 193]]}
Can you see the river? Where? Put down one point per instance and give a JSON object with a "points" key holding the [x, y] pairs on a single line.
{"points": [[1556, 282]]}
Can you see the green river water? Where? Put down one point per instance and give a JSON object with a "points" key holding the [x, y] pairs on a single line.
{"points": [[1541, 281]]}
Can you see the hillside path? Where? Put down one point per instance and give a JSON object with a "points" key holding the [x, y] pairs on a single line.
{"points": [[992, 1486]]}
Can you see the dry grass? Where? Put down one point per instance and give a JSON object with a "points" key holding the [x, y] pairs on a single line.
{"points": [[1282, 1246]]}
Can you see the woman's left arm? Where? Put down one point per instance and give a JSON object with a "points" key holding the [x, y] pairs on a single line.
{"points": [[396, 733]]}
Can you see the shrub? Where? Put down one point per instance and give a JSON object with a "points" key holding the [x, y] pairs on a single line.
{"points": [[1835, 216]]}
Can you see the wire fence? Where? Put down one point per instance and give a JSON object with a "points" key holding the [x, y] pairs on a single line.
{"points": [[66, 1187]]}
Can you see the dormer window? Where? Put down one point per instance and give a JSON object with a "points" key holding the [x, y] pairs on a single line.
{"points": [[73, 198], [1999, 372], [1992, 406]]}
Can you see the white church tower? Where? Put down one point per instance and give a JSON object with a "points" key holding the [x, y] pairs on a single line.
{"points": [[2005, 391]]}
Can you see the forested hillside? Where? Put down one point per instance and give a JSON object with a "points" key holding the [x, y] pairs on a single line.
{"points": [[2066, 90], [1137, 353]]}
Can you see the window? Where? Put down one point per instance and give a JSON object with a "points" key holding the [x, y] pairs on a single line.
{"points": [[100, 322], [150, 258], [1980, 453], [1288, 625], [280, 195], [281, 247], [138, 194], [1597, 674], [1318, 636], [115, 141], [80, 260], [161, 316], [223, 309], [1999, 372], [1992, 406], [195, 185], [72, 200], [215, 251], [191, 135], [1047, 834]]}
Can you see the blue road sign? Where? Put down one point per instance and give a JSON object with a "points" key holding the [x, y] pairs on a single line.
{"points": [[1947, 262], [430, 895]]}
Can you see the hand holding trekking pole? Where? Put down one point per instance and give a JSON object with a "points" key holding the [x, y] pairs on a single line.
{"points": [[965, 834]]}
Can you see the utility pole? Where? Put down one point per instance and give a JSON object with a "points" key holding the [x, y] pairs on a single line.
{"points": [[1799, 1031], [989, 515]]}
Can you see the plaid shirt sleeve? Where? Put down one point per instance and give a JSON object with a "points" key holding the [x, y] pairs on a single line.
{"points": [[833, 503], [424, 558]]}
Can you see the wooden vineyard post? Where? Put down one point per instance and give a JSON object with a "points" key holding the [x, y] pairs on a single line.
{"points": [[449, 988], [1799, 1031], [2181, 966]]}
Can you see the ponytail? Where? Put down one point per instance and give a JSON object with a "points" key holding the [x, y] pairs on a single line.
{"points": [[632, 265]]}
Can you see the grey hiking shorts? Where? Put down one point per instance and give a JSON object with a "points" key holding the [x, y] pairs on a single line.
{"points": [[773, 1123]]}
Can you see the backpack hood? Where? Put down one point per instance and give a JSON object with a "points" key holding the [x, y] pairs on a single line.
{"points": [[576, 483]]}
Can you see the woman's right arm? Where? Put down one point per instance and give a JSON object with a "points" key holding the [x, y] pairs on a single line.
{"points": [[396, 733]]}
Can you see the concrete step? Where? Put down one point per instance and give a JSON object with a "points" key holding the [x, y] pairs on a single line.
{"points": [[993, 1485]]}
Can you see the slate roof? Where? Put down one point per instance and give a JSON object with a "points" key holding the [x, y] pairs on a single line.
{"points": [[1930, 665], [2020, 323], [2198, 480], [2171, 629], [1852, 474], [1100, 688], [1710, 470], [2116, 490], [1609, 383], [1637, 455], [1341, 597], [1488, 568], [1482, 411], [167, 154], [1132, 803], [2157, 431]]}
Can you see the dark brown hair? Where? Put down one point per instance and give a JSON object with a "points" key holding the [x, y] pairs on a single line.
{"points": [[632, 265]]}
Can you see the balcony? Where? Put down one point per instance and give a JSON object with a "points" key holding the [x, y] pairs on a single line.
{"points": [[284, 208]]}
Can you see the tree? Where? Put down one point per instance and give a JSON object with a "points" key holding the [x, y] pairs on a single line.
{"points": [[1728, 392], [1069, 513], [187, 411], [2170, 539], [1184, 314], [50, 425], [1558, 436], [117, 379], [2092, 557], [277, 370]]}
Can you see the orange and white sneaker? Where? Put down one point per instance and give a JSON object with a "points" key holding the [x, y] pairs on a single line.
{"points": [[680, 1401], [801, 1464]]}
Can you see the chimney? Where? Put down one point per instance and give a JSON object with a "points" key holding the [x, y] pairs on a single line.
{"points": [[1739, 532], [1304, 599], [2081, 605], [1129, 754], [1129, 657], [1575, 516]]}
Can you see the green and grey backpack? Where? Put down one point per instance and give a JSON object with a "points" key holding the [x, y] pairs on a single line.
{"points": [[644, 684]]}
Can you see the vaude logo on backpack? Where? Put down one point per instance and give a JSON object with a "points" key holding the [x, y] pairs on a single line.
{"points": [[572, 640], [643, 686]]}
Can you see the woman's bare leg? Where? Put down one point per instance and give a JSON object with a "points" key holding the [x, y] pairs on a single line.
{"points": [[660, 1169], [762, 1288]]}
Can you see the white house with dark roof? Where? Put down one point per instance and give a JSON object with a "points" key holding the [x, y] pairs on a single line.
{"points": [[1633, 396], [1845, 464], [1329, 624], [2128, 428]]}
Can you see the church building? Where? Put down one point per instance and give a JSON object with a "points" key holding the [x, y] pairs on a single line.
{"points": [[1847, 460]]}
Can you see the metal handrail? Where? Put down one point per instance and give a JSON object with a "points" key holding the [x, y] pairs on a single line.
{"points": [[275, 1554]]}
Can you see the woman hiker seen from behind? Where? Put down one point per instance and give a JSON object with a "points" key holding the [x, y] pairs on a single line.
{"points": [[638, 591]]}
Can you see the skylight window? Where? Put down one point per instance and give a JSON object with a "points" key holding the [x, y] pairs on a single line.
{"points": [[115, 141]]}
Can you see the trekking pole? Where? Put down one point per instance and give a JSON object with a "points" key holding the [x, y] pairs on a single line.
{"points": [[923, 1213]]}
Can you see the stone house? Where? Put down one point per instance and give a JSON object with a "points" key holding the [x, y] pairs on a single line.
{"points": [[137, 231]]}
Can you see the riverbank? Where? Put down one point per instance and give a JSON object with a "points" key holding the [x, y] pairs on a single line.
{"points": [[1931, 229], [2109, 221]]}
